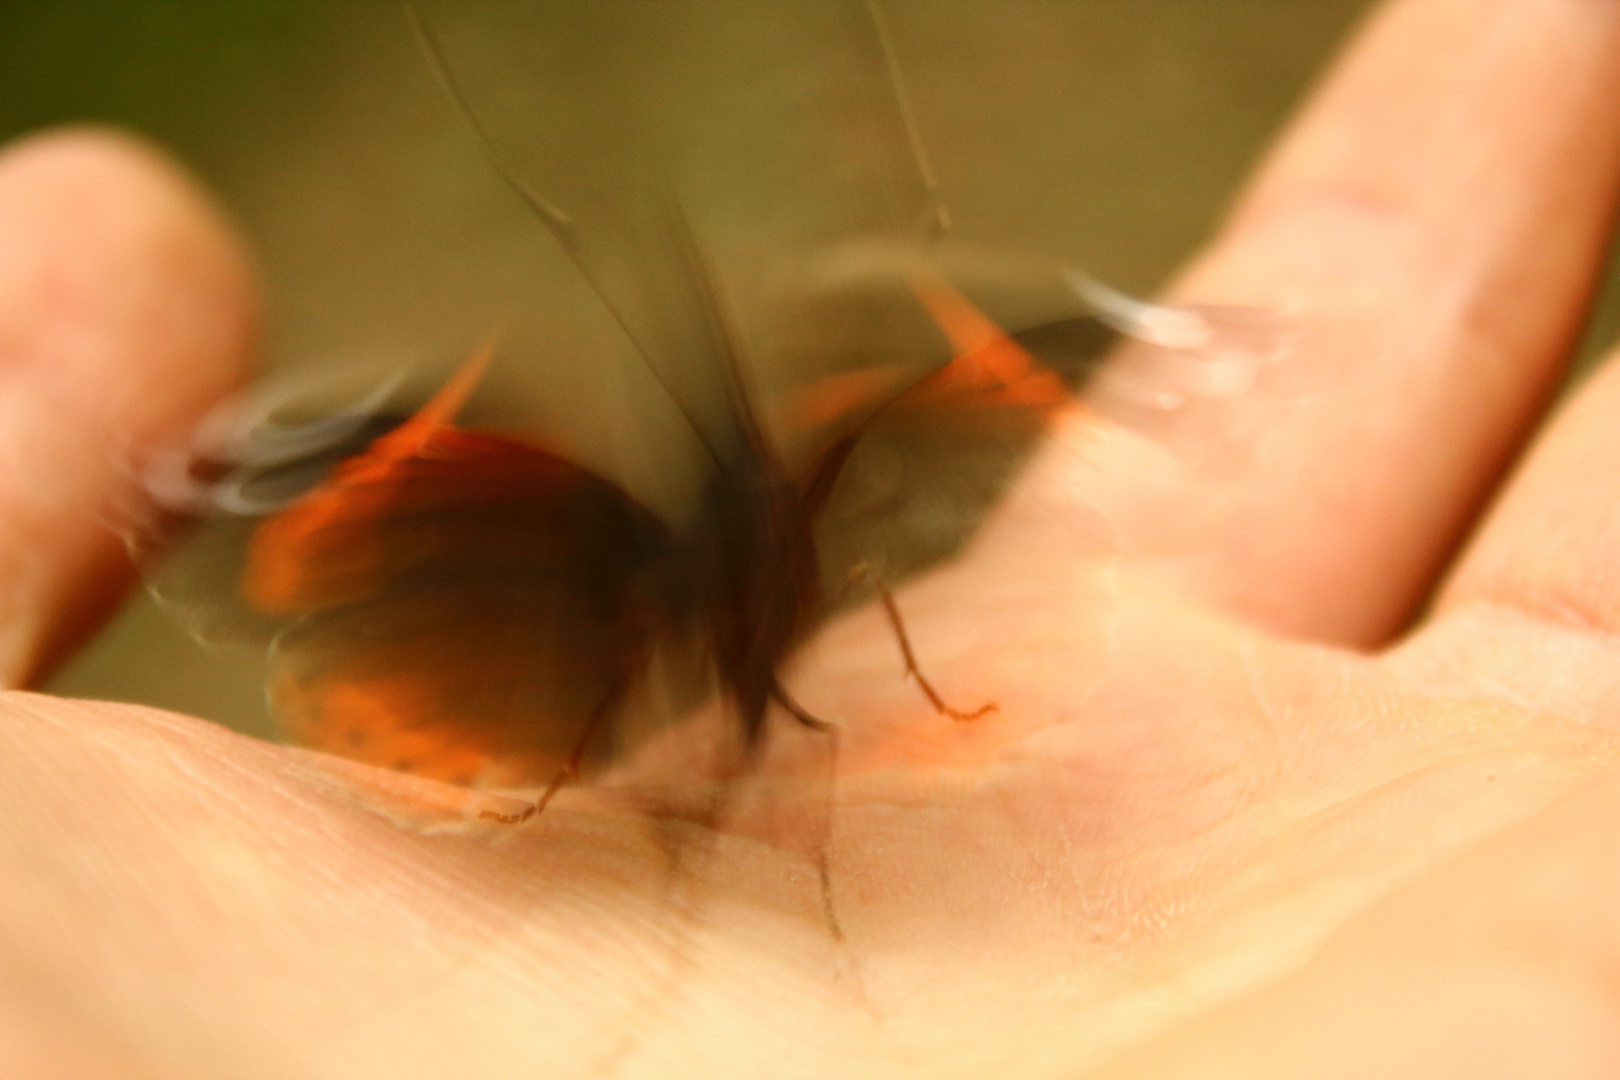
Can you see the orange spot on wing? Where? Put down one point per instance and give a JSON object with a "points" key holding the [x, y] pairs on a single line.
{"points": [[295, 557], [839, 397], [412, 437], [401, 721], [988, 364]]}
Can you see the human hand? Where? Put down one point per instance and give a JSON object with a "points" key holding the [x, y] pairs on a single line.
{"points": [[1220, 827]]}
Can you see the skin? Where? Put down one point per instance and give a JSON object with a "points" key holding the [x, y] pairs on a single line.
{"points": [[1242, 812]]}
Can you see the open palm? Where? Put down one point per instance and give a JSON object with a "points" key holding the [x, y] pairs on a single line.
{"points": [[1219, 826]]}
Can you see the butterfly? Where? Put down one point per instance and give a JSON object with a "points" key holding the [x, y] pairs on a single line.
{"points": [[479, 606]]}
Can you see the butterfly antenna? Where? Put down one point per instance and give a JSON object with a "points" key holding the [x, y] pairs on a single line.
{"points": [[556, 221], [938, 214]]}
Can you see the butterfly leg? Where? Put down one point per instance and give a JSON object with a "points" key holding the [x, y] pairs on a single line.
{"points": [[576, 758], [804, 716], [892, 609]]}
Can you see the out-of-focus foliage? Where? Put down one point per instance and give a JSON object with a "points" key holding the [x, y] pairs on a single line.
{"points": [[181, 72]]}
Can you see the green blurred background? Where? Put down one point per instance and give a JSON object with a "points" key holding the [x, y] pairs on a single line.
{"points": [[1113, 131]]}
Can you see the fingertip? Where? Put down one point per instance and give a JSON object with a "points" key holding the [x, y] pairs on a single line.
{"points": [[124, 283]]}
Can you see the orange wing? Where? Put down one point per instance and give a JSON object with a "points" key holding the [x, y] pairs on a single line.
{"points": [[459, 602], [989, 370]]}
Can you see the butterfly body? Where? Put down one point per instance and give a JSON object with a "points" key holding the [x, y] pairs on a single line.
{"points": [[757, 549]]}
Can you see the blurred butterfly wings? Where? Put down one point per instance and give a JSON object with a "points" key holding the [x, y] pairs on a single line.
{"points": [[474, 606], [457, 601]]}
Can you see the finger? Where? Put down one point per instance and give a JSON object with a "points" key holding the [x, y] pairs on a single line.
{"points": [[1435, 218], [1531, 612], [125, 309]]}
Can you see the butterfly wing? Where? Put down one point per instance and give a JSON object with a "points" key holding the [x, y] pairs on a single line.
{"points": [[906, 459], [620, 109], [465, 615], [633, 128], [454, 603], [900, 462]]}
